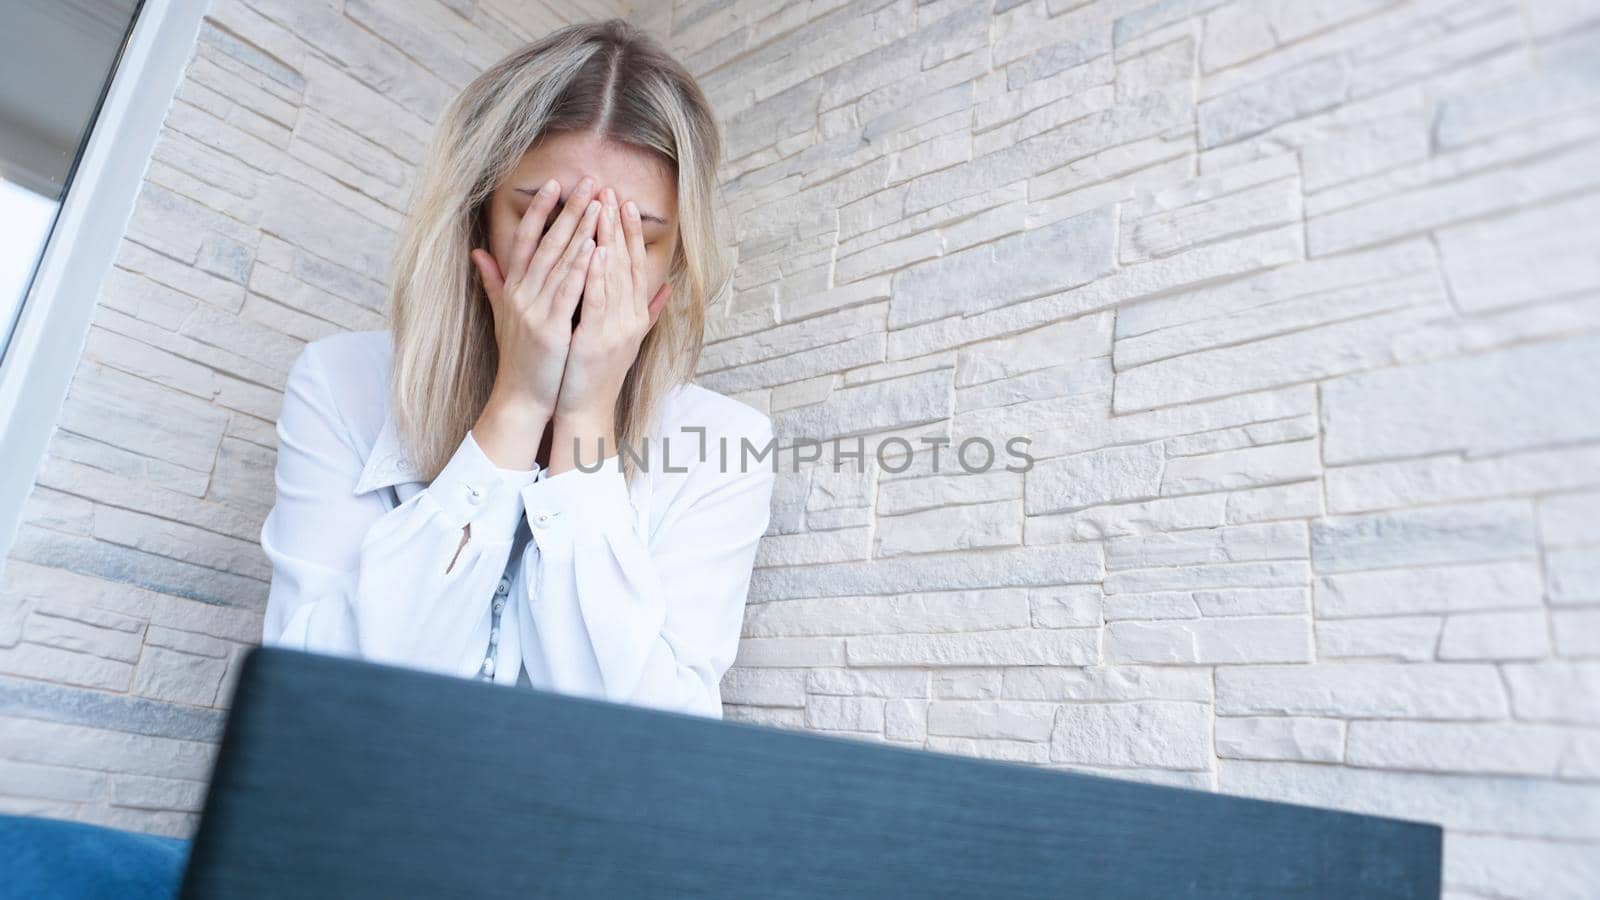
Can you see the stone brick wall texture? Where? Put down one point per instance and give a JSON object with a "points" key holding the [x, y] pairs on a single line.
{"points": [[1297, 303]]}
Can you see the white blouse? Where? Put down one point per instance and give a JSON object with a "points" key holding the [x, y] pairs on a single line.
{"points": [[628, 593]]}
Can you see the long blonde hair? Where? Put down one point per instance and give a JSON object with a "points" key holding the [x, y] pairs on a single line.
{"points": [[606, 78]]}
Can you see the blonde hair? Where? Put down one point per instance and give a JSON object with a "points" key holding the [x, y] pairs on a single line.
{"points": [[605, 78]]}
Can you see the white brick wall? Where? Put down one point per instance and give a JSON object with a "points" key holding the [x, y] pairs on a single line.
{"points": [[1297, 301], [265, 221]]}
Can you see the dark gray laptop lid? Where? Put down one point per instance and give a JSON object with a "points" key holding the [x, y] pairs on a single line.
{"points": [[350, 779]]}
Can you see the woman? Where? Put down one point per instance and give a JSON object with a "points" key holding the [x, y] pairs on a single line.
{"points": [[438, 504]]}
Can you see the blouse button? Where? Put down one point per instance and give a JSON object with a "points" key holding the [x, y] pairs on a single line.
{"points": [[541, 519], [488, 666], [499, 605], [504, 587], [474, 495]]}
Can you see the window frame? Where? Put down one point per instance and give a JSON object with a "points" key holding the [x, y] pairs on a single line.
{"points": [[103, 184]]}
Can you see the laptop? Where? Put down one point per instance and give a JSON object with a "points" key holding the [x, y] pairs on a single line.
{"points": [[345, 778]]}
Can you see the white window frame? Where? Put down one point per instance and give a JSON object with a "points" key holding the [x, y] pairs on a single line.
{"points": [[54, 323]]}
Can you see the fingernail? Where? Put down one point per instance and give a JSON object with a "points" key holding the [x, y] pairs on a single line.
{"points": [[587, 183], [633, 211], [549, 187]]}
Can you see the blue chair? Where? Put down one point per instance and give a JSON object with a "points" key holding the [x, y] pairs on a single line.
{"points": [[52, 859]]}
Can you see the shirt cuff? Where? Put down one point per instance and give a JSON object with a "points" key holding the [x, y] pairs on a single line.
{"points": [[471, 489], [575, 497], [523, 477]]}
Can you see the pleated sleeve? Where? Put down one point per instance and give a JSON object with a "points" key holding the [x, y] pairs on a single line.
{"points": [[653, 620], [352, 577]]}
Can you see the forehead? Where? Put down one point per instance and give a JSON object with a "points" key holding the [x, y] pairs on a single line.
{"points": [[635, 174]]}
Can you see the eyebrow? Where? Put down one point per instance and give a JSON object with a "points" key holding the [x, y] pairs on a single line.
{"points": [[644, 215]]}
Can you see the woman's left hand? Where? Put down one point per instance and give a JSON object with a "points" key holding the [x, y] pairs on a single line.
{"points": [[615, 314]]}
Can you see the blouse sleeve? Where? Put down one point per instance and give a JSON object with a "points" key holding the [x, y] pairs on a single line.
{"points": [[353, 578], [652, 623]]}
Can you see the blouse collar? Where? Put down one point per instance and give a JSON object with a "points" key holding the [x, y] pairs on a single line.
{"points": [[388, 463]]}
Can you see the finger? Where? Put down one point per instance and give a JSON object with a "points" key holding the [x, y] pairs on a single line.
{"points": [[572, 283], [594, 292], [618, 303], [489, 272], [558, 249], [526, 237], [574, 256], [606, 244], [634, 227], [562, 231]]}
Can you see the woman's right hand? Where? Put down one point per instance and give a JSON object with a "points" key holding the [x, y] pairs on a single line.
{"points": [[534, 294]]}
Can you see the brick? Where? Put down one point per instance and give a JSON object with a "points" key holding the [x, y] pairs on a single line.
{"points": [[1029, 566], [1282, 738], [28, 780], [1459, 534], [1011, 720], [1277, 540], [939, 612], [965, 684], [1072, 606], [1041, 260], [764, 686], [1398, 638], [1021, 647], [1516, 805], [1450, 478], [1428, 589], [844, 713], [1053, 345], [1466, 404], [765, 716], [1573, 576], [151, 792], [1531, 255], [1105, 683], [1253, 639], [1030, 752], [1261, 106], [1478, 747], [896, 403], [117, 711], [116, 643], [1363, 690], [790, 652], [1278, 360], [1508, 635], [1153, 734], [1577, 631], [53, 743], [1089, 479], [905, 720], [868, 682], [65, 667], [178, 677], [1561, 692], [971, 527], [1496, 866]]}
